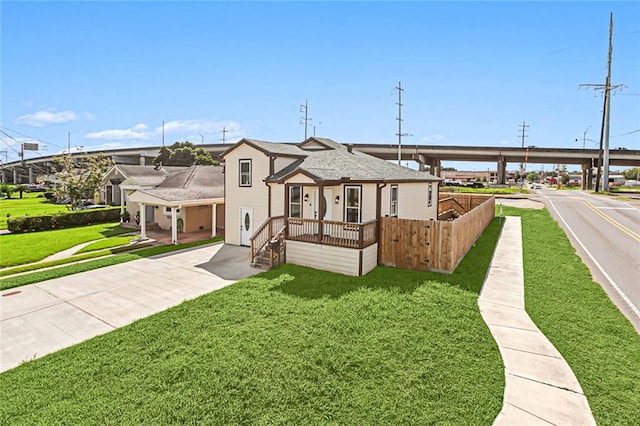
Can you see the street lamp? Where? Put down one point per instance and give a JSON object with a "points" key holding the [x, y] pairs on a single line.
{"points": [[201, 138]]}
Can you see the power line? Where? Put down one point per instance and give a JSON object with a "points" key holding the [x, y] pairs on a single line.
{"points": [[305, 120]]}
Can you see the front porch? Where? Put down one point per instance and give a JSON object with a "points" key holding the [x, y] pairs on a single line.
{"points": [[343, 247]]}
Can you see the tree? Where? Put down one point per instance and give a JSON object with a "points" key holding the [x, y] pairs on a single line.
{"points": [[6, 189], [20, 188], [80, 179], [631, 174], [184, 154]]}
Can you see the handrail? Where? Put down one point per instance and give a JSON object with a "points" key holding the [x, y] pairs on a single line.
{"points": [[261, 237], [334, 233]]}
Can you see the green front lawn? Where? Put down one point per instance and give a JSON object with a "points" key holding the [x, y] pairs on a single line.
{"points": [[290, 346], [574, 312], [106, 243], [18, 249], [31, 204]]}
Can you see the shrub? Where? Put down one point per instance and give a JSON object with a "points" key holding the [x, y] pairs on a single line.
{"points": [[62, 220]]}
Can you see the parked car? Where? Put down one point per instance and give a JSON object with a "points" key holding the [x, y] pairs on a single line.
{"points": [[36, 188], [475, 184]]}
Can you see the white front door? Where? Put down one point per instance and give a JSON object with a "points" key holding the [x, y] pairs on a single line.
{"points": [[316, 209], [246, 226]]}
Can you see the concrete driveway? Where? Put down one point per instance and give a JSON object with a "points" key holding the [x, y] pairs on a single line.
{"points": [[41, 318]]}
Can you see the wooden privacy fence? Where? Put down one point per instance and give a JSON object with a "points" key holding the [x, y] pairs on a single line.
{"points": [[434, 245]]}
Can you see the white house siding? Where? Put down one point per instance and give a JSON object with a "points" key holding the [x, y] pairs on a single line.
{"points": [[368, 208], [412, 201], [282, 162], [163, 218], [369, 258], [329, 258], [277, 199], [255, 196]]}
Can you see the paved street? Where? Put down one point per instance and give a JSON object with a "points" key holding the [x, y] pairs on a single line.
{"points": [[606, 234]]}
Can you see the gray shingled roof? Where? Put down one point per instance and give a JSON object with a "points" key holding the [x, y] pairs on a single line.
{"points": [[337, 163], [192, 183], [146, 175], [278, 148]]}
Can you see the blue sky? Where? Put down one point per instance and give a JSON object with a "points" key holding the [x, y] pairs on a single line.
{"points": [[110, 73]]}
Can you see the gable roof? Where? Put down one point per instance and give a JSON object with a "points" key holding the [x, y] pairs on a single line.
{"points": [[143, 175], [269, 148], [337, 162], [194, 183]]}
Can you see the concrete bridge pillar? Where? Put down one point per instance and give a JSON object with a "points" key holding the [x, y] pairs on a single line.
{"points": [[587, 177], [31, 175], [3, 177], [142, 160], [502, 171], [435, 167], [15, 177]]}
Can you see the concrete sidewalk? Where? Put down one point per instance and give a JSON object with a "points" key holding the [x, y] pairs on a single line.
{"points": [[540, 387], [41, 318]]}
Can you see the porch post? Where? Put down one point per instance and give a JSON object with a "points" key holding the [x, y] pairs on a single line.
{"points": [[143, 222], [214, 221], [322, 207], [174, 226], [121, 203]]}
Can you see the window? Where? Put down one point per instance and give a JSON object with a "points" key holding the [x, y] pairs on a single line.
{"points": [[430, 195], [352, 204], [167, 211], [393, 211], [295, 201], [245, 172]]}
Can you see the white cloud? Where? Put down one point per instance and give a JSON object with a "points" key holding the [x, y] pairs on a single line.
{"points": [[174, 130], [433, 138], [40, 118], [136, 132]]}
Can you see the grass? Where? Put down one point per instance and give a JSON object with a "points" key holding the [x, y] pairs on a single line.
{"points": [[18, 249], [106, 243], [290, 346], [484, 190], [49, 274], [574, 312], [30, 204]]}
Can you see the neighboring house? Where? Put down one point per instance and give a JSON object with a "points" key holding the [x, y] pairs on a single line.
{"points": [[121, 180], [324, 197], [182, 199]]}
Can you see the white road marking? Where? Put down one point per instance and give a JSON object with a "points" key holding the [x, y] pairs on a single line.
{"points": [[624, 297]]}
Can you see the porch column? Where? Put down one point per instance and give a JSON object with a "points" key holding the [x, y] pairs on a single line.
{"points": [[143, 222], [174, 226], [121, 203], [214, 221], [322, 207]]}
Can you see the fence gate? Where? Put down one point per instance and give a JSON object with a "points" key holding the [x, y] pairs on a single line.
{"points": [[406, 243]]}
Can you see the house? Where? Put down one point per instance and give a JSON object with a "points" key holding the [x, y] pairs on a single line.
{"points": [[180, 199], [121, 180], [323, 198]]}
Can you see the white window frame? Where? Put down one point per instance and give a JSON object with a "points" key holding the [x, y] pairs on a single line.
{"points": [[358, 190], [393, 197], [292, 203], [242, 174]]}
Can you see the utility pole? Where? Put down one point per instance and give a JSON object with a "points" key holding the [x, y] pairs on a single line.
{"points": [[68, 144], [162, 132], [305, 120], [201, 138], [524, 126], [399, 118], [224, 132], [584, 137], [604, 131]]}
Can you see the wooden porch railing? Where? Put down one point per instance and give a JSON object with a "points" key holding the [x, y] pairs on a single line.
{"points": [[265, 232], [341, 234]]}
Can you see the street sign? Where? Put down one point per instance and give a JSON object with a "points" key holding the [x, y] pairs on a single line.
{"points": [[28, 146]]}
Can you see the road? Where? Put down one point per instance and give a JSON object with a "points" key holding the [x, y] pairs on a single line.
{"points": [[606, 234]]}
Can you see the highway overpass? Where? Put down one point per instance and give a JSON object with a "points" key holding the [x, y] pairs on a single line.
{"points": [[428, 157]]}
